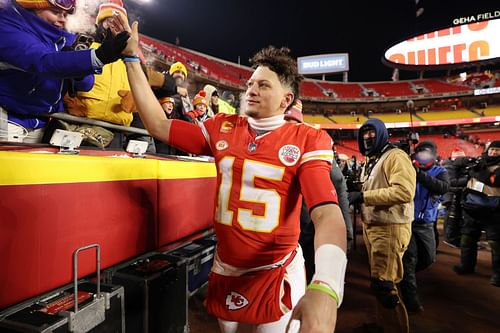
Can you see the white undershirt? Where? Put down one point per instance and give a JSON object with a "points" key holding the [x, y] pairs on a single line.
{"points": [[266, 124]]}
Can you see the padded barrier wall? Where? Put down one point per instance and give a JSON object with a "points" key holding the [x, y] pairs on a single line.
{"points": [[51, 204]]}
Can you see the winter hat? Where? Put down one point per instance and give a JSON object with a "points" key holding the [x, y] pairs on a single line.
{"points": [[200, 99], [426, 145], [166, 99], [295, 112], [494, 144], [178, 66], [456, 153], [210, 90], [46, 4], [108, 8], [34, 4]]}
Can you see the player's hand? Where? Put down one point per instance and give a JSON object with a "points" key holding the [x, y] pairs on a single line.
{"points": [[317, 312], [119, 24]]}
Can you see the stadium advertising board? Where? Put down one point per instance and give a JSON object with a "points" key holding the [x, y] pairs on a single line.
{"points": [[448, 47], [323, 63]]}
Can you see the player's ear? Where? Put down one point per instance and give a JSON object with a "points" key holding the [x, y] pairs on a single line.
{"points": [[287, 100]]}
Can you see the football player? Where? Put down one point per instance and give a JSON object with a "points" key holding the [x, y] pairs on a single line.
{"points": [[264, 166]]}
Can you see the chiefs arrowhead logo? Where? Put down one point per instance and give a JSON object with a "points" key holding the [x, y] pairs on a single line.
{"points": [[235, 301], [226, 127]]}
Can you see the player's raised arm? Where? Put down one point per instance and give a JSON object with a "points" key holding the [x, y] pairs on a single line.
{"points": [[149, 108]]}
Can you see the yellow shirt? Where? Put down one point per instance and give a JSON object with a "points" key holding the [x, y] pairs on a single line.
{"points": [[103, 101]]}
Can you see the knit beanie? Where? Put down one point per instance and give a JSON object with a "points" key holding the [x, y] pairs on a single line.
{"points": [[107, 9], [166, 99], [44, 4], [200, 99], [34, 4], [494, 144], [178, 66]]}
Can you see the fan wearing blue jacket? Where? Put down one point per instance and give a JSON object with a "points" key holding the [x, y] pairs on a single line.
{"points": [[35, 66], [432, 182]]}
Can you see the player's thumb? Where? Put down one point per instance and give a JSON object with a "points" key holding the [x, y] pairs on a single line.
{"points": [[135, 28]]}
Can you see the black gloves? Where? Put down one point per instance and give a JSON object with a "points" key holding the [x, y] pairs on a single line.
{"points": [[355, 197], [111, 49]]}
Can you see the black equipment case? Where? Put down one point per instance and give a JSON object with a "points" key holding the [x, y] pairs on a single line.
{"points": [[199, 255], [155, 294]]}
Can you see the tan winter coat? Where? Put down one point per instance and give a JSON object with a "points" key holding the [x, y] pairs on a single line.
{"points": [[389, 190]]}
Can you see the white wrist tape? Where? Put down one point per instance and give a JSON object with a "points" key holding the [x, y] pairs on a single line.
{"points": [[331, 262]]}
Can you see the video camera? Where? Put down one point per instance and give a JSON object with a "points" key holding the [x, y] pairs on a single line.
{"points": [[412, 138]]}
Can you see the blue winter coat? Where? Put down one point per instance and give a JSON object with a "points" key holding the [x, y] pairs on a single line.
{"points": [[33, 68], [426, 202]]}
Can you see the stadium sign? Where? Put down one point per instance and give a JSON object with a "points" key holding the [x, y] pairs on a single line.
{"points": [[449, 47], [476, 18], [486, 91], [323, 63]]}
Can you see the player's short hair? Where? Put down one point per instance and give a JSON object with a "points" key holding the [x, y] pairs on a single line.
{"points": [[279, 61]]}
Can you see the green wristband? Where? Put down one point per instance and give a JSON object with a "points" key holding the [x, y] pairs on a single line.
{"points": [[325, 289]]}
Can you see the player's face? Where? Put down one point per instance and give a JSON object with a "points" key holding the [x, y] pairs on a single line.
{"points": [[265, 95]]}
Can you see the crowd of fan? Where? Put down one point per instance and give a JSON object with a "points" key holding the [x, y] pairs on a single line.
{"points": [[80, 75]]}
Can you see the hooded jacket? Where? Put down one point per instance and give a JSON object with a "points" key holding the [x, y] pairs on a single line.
{"points": [[381, 137], [389, 186], [33, 68]]}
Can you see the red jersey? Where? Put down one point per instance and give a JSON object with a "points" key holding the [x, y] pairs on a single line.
{"points": [[260, 181]]}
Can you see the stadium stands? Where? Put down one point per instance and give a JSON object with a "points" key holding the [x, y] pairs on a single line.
{"points": [[391, 88], [348, 119], [394, 117], [451, 114], [437, 86], [310, 89], [445, 145], [316, 119], [490, 111], [203, 64], [234, 75], [343, 90]]}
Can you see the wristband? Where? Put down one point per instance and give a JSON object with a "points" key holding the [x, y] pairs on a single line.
{"points": [[131, 58], [321, 286], [331, 261]]}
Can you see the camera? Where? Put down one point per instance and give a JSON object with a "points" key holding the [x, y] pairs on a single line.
{"points": [[412, 138]]}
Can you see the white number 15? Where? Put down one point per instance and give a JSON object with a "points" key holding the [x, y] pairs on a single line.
{"points": [[270, 198]]}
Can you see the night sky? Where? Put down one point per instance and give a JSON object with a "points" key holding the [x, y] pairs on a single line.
{"points": [[230, 28]]}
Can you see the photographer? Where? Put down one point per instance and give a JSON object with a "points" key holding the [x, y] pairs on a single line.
{"points": [[386, 199], [458, 174], [481, 210], [432, 182]]}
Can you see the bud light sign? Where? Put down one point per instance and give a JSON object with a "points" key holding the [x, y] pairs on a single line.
{"points": [[323, 63]]}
